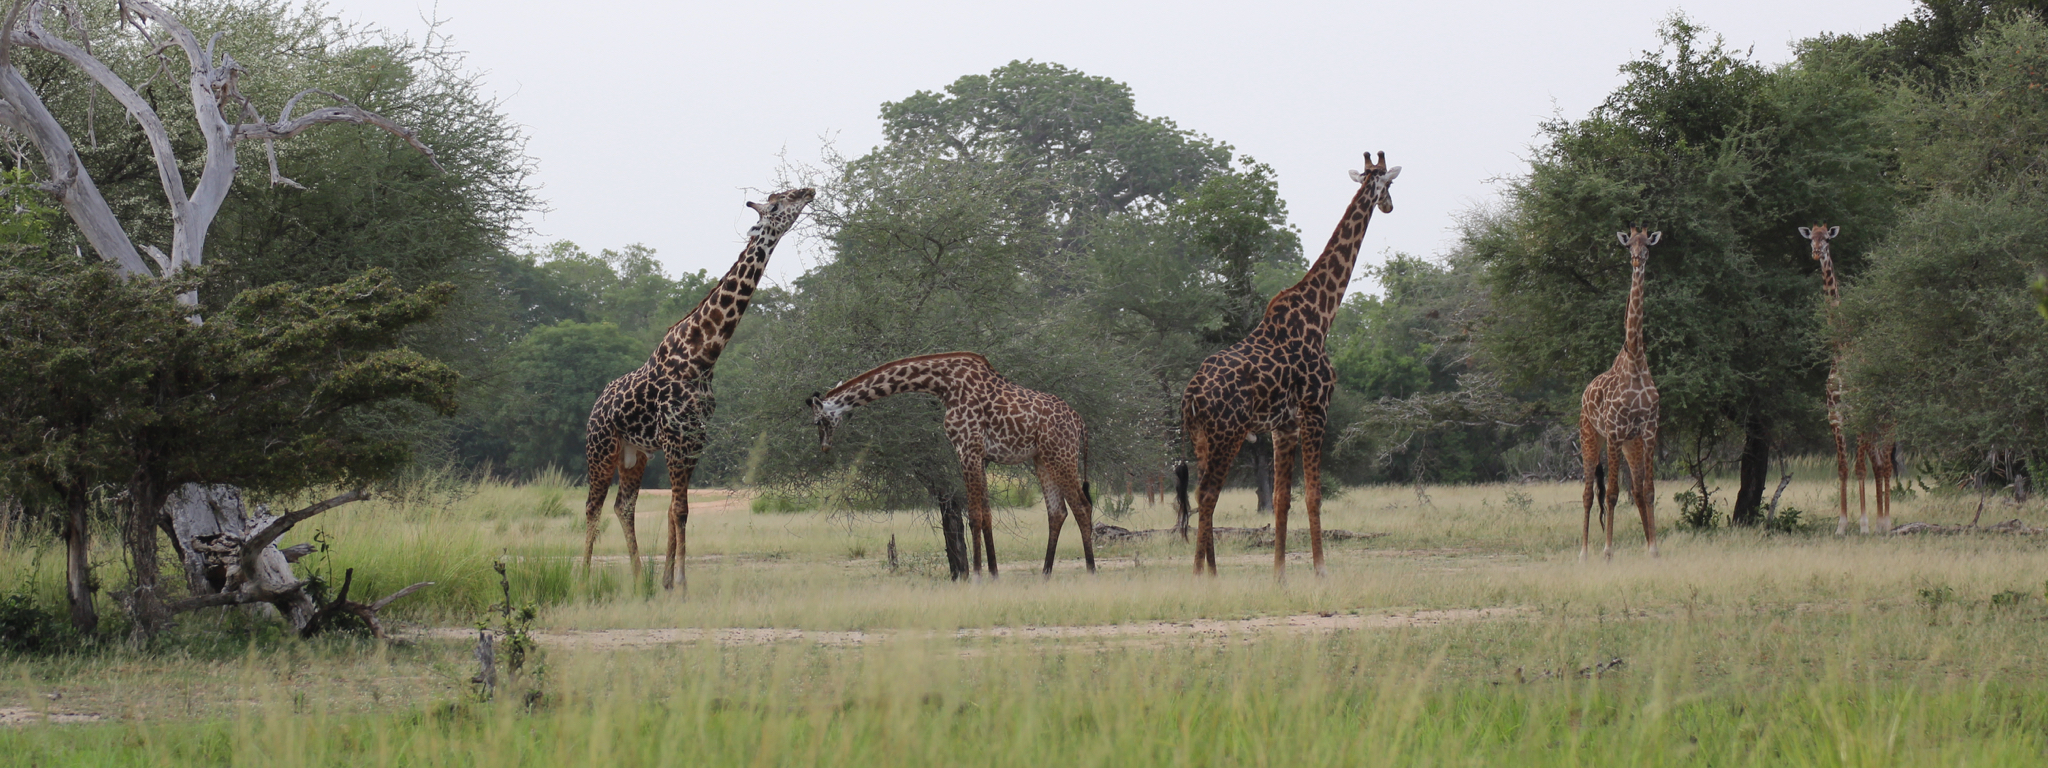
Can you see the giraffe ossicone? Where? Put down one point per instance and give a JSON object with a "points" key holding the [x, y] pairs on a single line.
{"points": [[988, 419], [664, 404]]}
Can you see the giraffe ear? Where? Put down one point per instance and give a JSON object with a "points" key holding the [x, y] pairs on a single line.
{"points": [[1806, 233], [1622, 236], [1655, 236], [1392, 172], [1834, 230], [1357, 178]]}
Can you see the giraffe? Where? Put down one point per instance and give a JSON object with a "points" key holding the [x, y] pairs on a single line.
{"points": [[1873, 449], [1620, 409], [1278, 380], [988, 419], [663, 404]]}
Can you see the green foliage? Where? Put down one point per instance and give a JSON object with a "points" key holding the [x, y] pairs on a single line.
{"points": [[1791, 519], [1696, 512], [1030, 215], [1949, 344], [27, 627]]}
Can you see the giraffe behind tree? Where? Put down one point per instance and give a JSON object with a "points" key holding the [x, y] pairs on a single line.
{"points": [[988, 419], [663, 405], [1619, 408], [1873, 449], [1278, 380]]}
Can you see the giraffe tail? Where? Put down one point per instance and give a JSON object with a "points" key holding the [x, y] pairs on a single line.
{"points": [[1180, 493]]}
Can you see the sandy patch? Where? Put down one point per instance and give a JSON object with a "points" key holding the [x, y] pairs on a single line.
{"points": [[702, 500], [18, 716], [633, 639]]}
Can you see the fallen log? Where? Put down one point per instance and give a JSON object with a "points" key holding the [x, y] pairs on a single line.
{"points": [[2013, 526]]}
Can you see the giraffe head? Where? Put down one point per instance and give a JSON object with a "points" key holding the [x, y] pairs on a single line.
{"points": [[1377, 178], [1638, 242], [826, 415], [1819, 235], [781, 211]]}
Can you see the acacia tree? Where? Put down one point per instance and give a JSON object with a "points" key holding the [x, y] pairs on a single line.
{"points": [[224, 119]]}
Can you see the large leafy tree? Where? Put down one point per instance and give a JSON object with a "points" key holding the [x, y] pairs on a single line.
{"points": [[1034, 216], [1945, 336], [1727, 159]]}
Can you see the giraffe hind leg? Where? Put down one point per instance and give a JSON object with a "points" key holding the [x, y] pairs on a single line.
{"points": [[1589, 453], [1611, 495], [603, 459], [1055, 514], [629, 502]]}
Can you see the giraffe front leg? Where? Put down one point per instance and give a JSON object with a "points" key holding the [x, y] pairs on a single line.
{"points": [[1642, 490], [1312, 486], [1886, 471], [1611, 495], [629, 501], [1285, 443], [979, 521], [603, 460], [1842, 480], [1862, 457], [679, 471]]}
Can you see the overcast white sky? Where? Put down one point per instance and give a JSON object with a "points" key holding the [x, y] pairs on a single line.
{"points": [[653, 121]]}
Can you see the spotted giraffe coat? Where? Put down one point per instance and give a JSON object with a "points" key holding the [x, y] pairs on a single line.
{"points": [[988, 419], [1278, 380], [662, 406]]}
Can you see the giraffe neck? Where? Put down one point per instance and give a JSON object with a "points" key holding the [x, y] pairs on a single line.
{"points": [[1323, 286], [692, 346], [945, 375], [1632, 342], [1828, 287]]}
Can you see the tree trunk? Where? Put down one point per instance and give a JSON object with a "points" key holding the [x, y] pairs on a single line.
{"points": [[211, 523], [77, 573], [1755, 471], [138, 532], [1262, 471], [953, 523]]}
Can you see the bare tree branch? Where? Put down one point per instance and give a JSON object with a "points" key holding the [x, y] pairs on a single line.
{"points": [[253, 546]]}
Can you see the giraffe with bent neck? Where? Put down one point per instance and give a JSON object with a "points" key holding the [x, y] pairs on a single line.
{"points": [[663, 405], [1619, 408], [1278, 380], [1873, 449], [988, 419]]}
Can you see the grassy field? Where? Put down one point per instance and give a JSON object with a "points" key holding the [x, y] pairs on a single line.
{"points": [[1469, 634]]}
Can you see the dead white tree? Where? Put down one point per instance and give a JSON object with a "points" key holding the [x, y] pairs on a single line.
{"points": [[225, 119]]}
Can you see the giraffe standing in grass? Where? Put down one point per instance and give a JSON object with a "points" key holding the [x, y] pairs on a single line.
{"points": [[1873, 449], [988, 419], [1620, 409], [1278, 381], [662, 405]]}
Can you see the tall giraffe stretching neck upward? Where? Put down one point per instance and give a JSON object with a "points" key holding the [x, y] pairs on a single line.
{"points": [[988, 419], [1278, 380], [1620, 408], [1873, 449], [663, 404]]}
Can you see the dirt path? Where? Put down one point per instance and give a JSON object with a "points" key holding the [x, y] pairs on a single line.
{"points": [[18, 716], [633, 639]]}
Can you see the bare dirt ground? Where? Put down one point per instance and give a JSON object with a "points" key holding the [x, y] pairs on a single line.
{"points": [[19, 716], [1215, 629]]}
